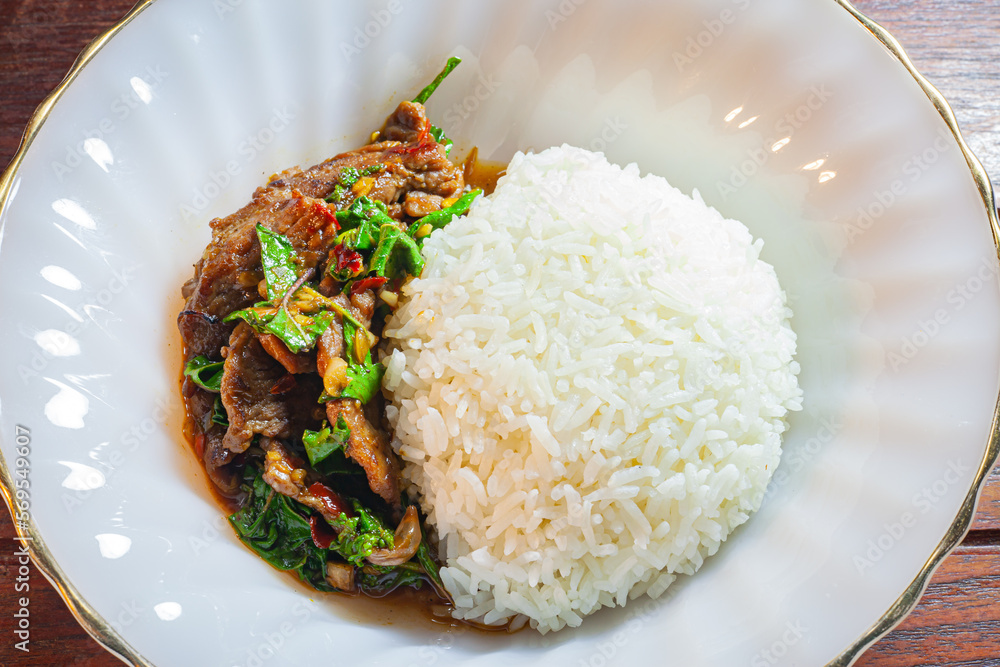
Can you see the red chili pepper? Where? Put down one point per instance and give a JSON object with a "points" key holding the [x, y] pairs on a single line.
{"points": [[324, 211], [423, 141], [370, 283], [284, 385], [333, 503], [347, 260], [199, 445], [322, 533]]}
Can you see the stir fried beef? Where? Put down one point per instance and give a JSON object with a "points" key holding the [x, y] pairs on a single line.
{"points": [[293, 363], [369, 447], [282, 382], [407, 166], [256, 397]]}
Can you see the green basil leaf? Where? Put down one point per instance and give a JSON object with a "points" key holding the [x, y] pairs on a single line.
{"points": [[360, 535], [429, 89], [427, 562], [277, 529], [277, 256], [364, 379], [396, 254], [379, 581], [439, 219], [321, 444], [441, 138], [219, 415], [362, 219], [298, 333], [205, 373]]}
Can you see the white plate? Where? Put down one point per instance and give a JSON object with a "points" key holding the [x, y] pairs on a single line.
{"points": [[787, 114]]}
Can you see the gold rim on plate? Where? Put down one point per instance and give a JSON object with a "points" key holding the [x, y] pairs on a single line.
{"points": [[98, 628]]}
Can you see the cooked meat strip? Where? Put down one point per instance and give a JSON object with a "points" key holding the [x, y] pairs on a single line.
{"points": [[293, 363], [410, 159], [424, 167], [329, 346], [285, 474], [363, 306], [248, 376], [369, 447], [407, 124], [418, 204]]}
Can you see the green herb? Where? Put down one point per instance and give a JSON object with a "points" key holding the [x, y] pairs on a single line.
{"points": [[397, 253], [360, 535], [441, 138], [364, 378], [379, 581], [361, 222], [428, 564], [294, 312], [277, 256], [321, 444], [205, 373], [432, 86], [219, 415], [297, 330], [348, 177], [439, 219], [422, 98], [277, 529]]}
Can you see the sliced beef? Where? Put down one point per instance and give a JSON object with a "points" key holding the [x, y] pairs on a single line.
{"points": [[286, 474], [418, 204], [293, 363], [208, 439], [369, 447], [226, 279], [330, 346], [249, 376], [407, 124], [410, 159]]}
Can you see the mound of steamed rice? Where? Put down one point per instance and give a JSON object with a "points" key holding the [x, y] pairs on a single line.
{"points": [[589, 384]]}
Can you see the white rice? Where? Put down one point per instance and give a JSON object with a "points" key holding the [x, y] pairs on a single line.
{"points": [[589, 384]]}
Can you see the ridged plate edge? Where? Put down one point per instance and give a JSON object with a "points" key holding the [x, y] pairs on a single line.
{"points": [[103, 633]]}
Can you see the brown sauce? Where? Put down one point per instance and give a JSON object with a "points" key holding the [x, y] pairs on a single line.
{"points": [[482, 174]]}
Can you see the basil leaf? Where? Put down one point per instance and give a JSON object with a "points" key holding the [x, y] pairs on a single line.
{"points": [[360, 535], [379, 581], [321, 444], [363, 219], [277, 529], [258, 316], [219, 415], [205, 373], [427, 562], [364, 379], [432, 86], [439, 219], [277, 256], [297, 331], [396, 253], [439, 136]]}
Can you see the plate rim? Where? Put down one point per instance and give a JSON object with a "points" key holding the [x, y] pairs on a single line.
{"points": [[105, 635]]}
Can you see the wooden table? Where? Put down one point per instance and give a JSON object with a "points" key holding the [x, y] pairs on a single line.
{"points": [[956, 44]]}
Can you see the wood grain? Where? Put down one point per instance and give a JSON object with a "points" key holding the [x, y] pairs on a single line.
{"points": [[955, 44]]}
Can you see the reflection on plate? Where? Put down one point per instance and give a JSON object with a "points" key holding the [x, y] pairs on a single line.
{"points": [[787, 115]]}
